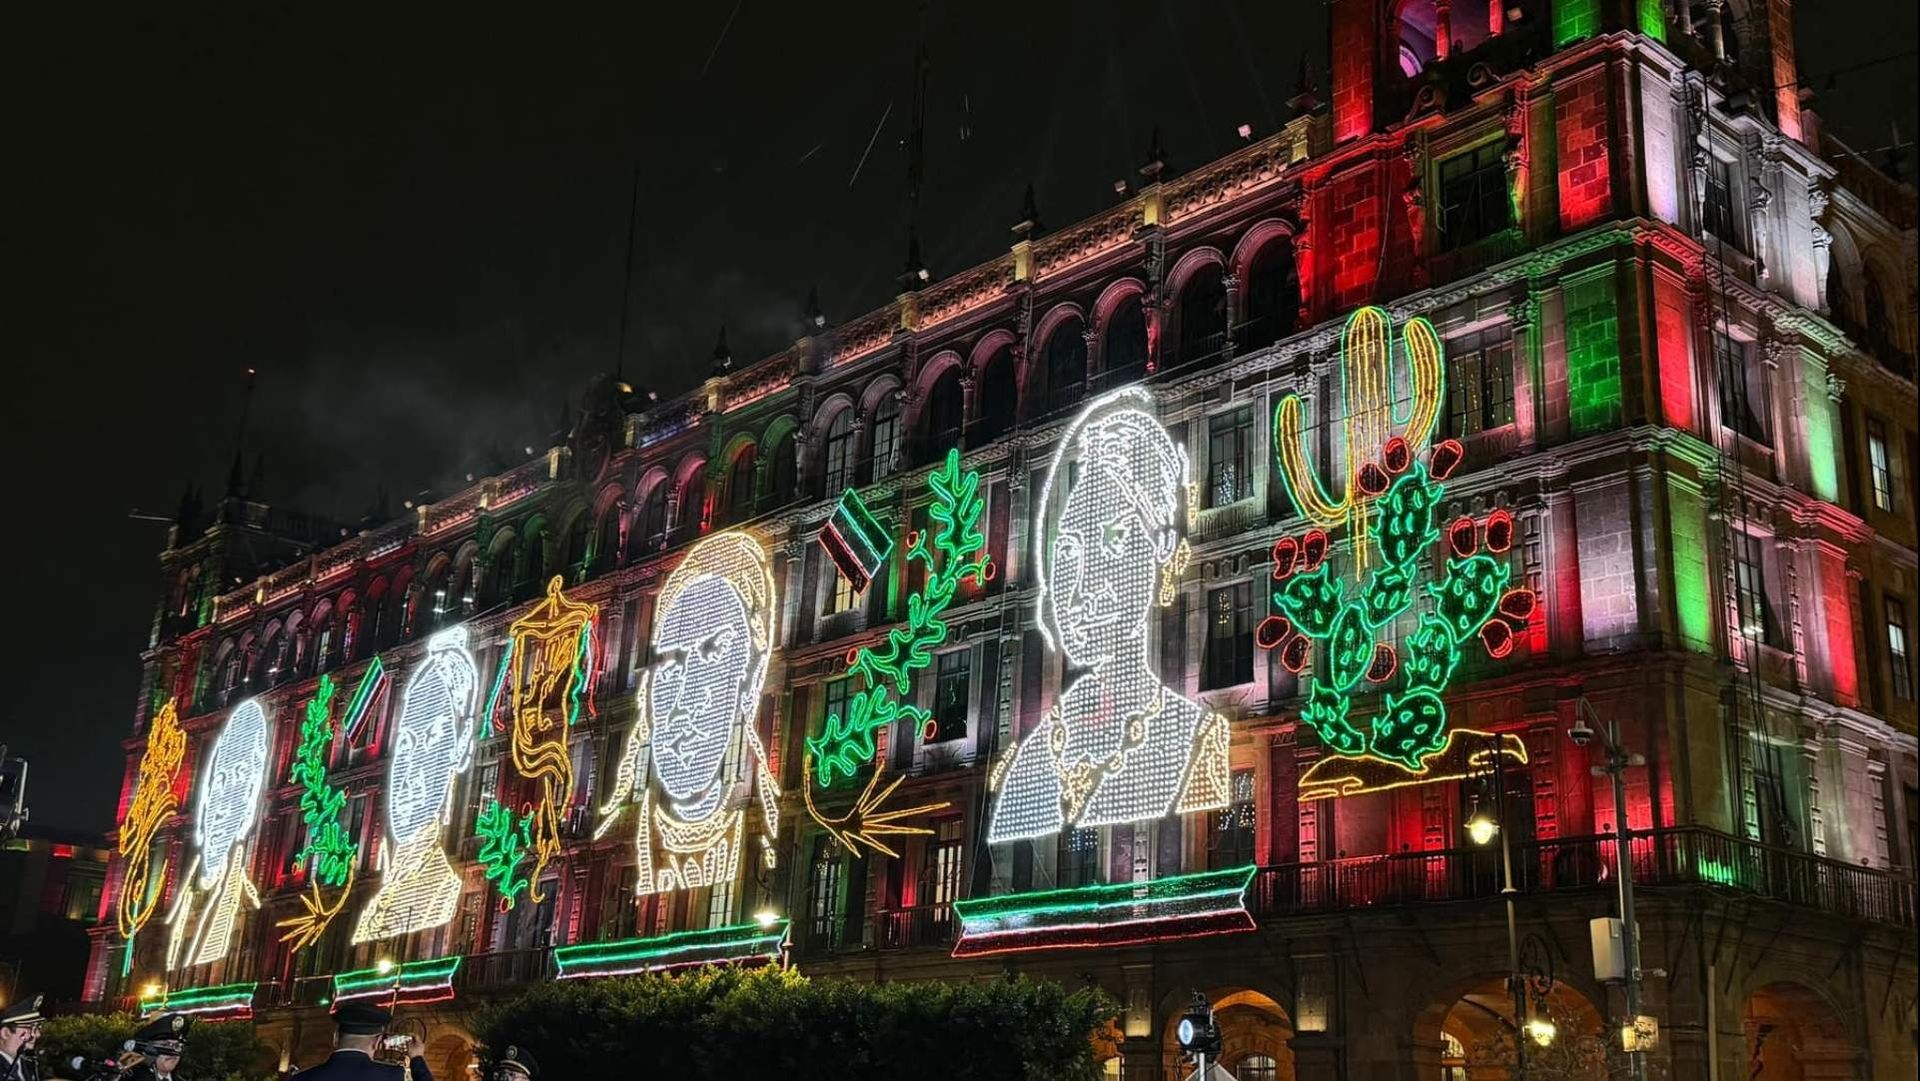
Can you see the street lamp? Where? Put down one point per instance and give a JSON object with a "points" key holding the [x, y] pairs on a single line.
{"points": [[1616, 763], [1482, 828]]}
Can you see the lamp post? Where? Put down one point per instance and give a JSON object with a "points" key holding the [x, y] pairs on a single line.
{"points": [[1617, 762], [1480, 830]]}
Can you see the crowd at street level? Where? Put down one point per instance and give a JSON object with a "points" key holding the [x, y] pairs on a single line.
{"points": [[365, 1048]]}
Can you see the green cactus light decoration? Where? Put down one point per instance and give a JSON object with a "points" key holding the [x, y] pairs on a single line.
{"points": [[1389, 504]]}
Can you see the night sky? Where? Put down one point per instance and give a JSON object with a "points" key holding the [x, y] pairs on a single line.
{"points": [[413, 226]]}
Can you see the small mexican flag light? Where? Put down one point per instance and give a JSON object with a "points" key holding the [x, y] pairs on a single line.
{"points": [[856, 541]]}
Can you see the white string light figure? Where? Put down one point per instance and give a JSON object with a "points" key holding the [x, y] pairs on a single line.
{"points": [[433, 745], [203, 918], [693, 751], [1119, 746]]}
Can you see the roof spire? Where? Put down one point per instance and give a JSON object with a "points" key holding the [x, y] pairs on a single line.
{"points": [[236, 486], [814, 318], [722, 356], [1029, 225], [1304, 99], [1156, 158]]}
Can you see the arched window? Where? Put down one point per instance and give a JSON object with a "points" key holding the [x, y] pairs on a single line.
{"points": [[438, 597], [652, 527], [999, 395], [740, 484], [574, 557], [1123, 353], [836, 462], [1065, 358], [1417, 34], [607, 538], [1203, 315], [941, 419], [827, 888], [1874, 304], [1273, 295], [783, 473], [528, 555], [1257, 1068], [693, 504], [882, 435]]}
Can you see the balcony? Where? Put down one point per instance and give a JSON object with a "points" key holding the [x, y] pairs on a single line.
{"points": [[914, 925], [1661, 858]]}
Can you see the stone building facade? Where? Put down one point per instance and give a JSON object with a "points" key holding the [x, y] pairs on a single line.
{"points": [[1680, 331]]}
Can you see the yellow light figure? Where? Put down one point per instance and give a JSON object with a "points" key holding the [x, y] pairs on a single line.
{"points": [[1369, 420], [693, 755], [154, 803], [550, 677]]}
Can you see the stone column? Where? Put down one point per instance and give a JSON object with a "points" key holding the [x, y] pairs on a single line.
{"points": [[1230, 282]]}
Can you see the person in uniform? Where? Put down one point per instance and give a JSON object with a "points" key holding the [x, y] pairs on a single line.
{"points": [[360, 1026], [516, 1064], [162, 1041], [19, 1023]]}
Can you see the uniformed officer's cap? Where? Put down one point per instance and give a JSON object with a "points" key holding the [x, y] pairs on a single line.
{"points": [[521, 1059], [361, 1019], [23, 1013], [166, 1034]]}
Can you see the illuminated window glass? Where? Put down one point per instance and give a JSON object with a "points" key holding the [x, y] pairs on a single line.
{"points": [[1230, 450], [1079, 863], [1480, 384], [942, 886], [1257, 1068], [950, 696], [1720, 219], [1750, 583], [740, 485], [720, 904], [828, 885], [1473, 196], [1880, 462], [839, 454], [1230, 841], [1899, 658], [885, 429], [841, 598], [1229, 657], [1744, 401]]}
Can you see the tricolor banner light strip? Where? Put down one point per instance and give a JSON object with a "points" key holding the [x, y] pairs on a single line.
{"points": [[227, 1002], [1123, 913], [856, 541], [402, 985], [371, 682], [747, 943]]}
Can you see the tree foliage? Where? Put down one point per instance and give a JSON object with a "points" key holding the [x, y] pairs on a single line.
{"points": [[740, 1025], [216, 1050]]}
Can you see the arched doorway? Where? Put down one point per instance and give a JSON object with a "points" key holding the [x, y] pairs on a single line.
{"points": [[1794, 1035], [1255, 1038], [1473, 1037]]}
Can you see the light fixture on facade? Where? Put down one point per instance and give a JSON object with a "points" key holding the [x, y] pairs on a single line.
{"points": [[1481, 827], [1541, 1030]]}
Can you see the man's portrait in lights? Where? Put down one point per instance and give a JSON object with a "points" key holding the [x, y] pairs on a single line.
{"points": [[432, 747], [204, 916], [1119, 746], [694, 758]]}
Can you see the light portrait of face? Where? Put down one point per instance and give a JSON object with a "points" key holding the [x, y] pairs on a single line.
{"points": [[431, 745], [705, 651], [1115, 529], [165, 1064], [231, 792]]}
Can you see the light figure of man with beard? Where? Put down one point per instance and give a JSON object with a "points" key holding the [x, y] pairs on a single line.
{"points": [[693, 752], [204, 916], [1119, 746], [432, 745]]}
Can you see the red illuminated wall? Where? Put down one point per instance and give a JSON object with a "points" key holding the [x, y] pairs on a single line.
{"points": [[1580, 123], [1676, 353], [1352, 64], [1353, 242]]}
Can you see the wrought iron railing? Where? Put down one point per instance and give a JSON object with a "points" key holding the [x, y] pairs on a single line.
{"points": [[1669, 857], [914, 925]]}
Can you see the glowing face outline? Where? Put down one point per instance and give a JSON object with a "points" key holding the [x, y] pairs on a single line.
{"points": [[697, 693], [431, 738], [1119, 745], [230, 792]]}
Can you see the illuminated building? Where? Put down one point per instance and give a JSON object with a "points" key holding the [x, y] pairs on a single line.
{"points": [[1675, 328]]}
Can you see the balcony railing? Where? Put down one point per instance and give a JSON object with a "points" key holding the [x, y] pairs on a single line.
{"points": [[1671, 857], [914, 925]]}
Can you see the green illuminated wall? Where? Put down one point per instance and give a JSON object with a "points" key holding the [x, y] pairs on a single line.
{"points": [[1576, 19], [1593, 352], [1692, 600], [1823, 450], [1653, 19]]}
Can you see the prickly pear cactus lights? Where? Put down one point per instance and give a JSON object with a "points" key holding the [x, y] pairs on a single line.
{"points": [[1390, 506]]}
